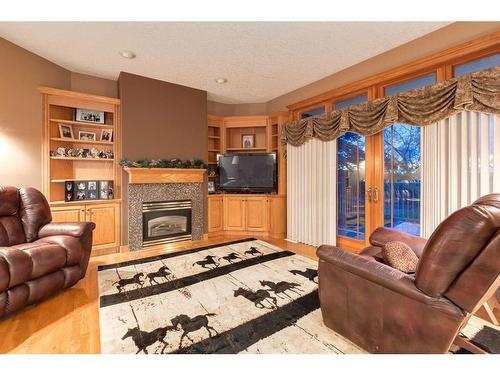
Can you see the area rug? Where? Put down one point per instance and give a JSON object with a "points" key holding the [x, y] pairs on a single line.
{"points": [[240, 297]]}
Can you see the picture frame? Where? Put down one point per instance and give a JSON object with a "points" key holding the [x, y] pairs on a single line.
{"points": [[106, 135], [66, 131], [89, 115], [81, 190], [105, 190], [211, 187], [248, 140], [87, 136]]}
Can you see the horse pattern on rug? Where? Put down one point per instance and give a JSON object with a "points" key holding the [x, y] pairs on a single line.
{"points": [[241, 297]]}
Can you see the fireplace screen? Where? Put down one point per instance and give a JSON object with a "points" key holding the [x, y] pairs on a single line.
{"points": [[165, 222]]}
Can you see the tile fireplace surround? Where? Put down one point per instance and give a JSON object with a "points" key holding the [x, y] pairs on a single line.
{"points": [[163, 184]]}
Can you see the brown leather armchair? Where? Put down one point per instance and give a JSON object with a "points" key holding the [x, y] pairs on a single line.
{"points": [[37, 258], [384, 310]]}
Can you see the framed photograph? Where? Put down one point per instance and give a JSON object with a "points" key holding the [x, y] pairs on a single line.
{"points": [[211, 187], [86, 136], [92, 192], [66, 131], [88, 115], [82, 190], [107, 135], [105, 190], [248, 140]]}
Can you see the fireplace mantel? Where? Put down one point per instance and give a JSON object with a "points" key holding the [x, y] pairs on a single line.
{"points": [[164, 175]]}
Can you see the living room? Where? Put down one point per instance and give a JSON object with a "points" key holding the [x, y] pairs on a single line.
{"points": [[250, 187]]}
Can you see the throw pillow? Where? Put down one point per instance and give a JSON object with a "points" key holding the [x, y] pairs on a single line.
{"points": [[400, 256]]}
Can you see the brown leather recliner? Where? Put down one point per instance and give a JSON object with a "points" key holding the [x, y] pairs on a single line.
{"points": [[37, 258], [384, 310]]}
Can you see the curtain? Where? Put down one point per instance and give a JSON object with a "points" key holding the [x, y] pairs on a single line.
{"points": [[460, 163], [311, 192], [479, 91]]}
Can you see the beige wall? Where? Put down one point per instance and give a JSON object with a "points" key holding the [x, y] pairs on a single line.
{"points": [[21, 72], [249, 109], [94, 85], [439, 40], [447, 37]]}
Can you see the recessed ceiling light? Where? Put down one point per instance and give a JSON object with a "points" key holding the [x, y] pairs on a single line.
{"points": [[127, 54], [221, 81]]}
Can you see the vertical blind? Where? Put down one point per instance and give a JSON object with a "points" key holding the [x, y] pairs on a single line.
{"points": [[460, 163], [311, 192]]}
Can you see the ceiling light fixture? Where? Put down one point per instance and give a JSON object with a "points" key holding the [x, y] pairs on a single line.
{"points": [[221, 81], [127, 54]]}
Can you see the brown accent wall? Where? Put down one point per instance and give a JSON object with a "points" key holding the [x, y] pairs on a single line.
{"points": [[21, 72], [439, 40], [160, 120], [94, 85]]}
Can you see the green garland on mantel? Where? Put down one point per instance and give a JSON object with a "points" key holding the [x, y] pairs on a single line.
{"points": [[164, 163]]}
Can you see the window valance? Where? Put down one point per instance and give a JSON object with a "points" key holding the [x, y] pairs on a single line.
{"points": [[479, 91]]}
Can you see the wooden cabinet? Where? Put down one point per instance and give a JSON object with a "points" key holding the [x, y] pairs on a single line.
{"points": [[106, 216], [65, 214], [107, 219], [277, 216], [247, 214], [256, 214], [215, 214], [234, 213]]}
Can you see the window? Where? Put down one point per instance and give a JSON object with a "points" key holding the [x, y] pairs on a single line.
{"points": [[351, 179], [411, 84], [312, 112], [351, 101], [477, 65], [402, 156]]}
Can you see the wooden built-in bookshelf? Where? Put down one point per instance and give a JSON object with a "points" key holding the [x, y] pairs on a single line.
{"points": [[247, 214], [59, 107]]}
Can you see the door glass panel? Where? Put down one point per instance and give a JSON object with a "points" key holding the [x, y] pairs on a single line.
{"points": [[312, 112], [402, 158], [402, 178], [351, 185], [351, 179], [477, 65]]}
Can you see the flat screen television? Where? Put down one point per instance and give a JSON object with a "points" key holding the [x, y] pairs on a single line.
{"points": [[248, 173]]}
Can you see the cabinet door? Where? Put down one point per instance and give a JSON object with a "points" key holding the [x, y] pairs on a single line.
{"points": [[106, 218], [234, 213], [215, 214], [256, 214], [67, 214], [277, 217]]}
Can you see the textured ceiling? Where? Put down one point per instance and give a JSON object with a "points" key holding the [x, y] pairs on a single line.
{"points": [[261, 60]]}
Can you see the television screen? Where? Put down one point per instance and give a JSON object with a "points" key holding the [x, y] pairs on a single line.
{"points": [[247, 172]]}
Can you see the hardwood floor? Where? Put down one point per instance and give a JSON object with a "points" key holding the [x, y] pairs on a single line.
{"points": [[69, 322]]}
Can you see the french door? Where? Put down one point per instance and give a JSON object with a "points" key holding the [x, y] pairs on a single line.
{"points": [[379, 176], [378, 181]]}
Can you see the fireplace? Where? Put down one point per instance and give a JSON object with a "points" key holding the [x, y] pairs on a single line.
{"points": [[166, 222]]}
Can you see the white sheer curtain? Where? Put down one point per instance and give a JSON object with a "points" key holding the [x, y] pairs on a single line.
{"points": [[312, 192], [460, 163]]}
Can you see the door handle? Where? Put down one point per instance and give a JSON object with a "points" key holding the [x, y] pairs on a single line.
{"points": [[375, 194], [369, 194]]}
